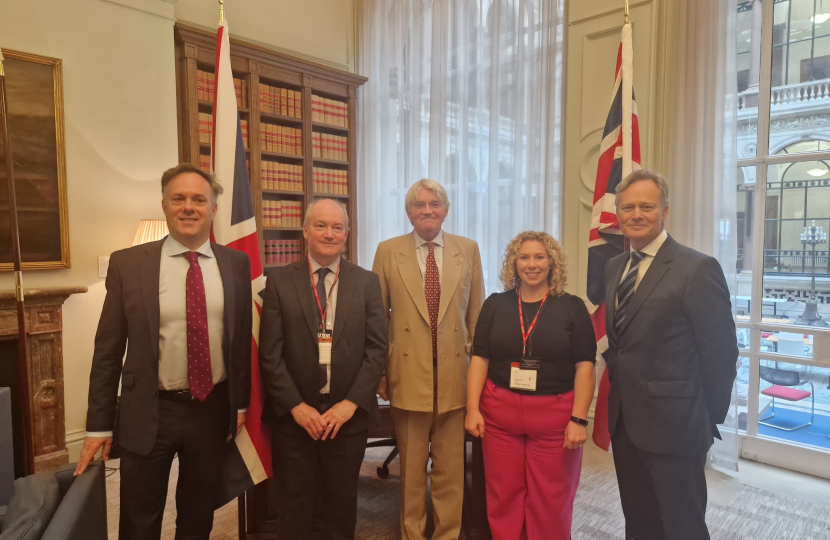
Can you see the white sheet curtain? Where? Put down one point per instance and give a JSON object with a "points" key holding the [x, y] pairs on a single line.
{"points": [[468, 93], [702, 154]]}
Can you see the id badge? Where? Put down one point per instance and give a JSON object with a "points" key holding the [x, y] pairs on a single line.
{"points": [[324, 346], [523, 375]]}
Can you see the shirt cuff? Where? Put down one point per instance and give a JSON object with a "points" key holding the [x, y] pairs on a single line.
{"points": [[99, 433], [242, 410]]}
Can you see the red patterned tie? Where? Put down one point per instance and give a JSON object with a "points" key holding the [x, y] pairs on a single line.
{"points": [[199, 371], [432, 289]]}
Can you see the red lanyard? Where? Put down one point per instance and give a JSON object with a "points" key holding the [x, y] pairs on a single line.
{"points": [[328, 297], [526, 335]]}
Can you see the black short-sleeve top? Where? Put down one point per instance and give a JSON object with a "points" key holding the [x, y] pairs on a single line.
{"points": [[563, 336]]}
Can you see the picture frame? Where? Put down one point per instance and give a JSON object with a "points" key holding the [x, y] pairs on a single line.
{"points": [[34, 94]]}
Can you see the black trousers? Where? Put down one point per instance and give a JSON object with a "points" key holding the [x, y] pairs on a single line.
{"points": [[663, 497], [197, 432], [307, 471]]}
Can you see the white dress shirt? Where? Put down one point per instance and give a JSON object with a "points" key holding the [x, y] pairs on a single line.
{"points": [[172, 314], [332, 303], [650, 251], [422, 250]]}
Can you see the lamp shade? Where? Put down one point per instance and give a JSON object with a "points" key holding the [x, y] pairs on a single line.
{"points": [[150, 230]]}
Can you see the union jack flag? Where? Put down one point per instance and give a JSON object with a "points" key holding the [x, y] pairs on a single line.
{"points": [[619, 156], [249, 461]]}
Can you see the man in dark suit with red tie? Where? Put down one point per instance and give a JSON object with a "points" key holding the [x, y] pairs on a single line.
{"points": [[672, 361], [323, 345], [182, 309]]}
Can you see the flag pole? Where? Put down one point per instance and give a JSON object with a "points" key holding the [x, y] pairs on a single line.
{"points": [[222, 11], [22, 348], [626, 11]]}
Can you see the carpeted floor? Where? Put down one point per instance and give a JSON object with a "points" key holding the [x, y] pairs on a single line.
{"points": [[753, 514]]}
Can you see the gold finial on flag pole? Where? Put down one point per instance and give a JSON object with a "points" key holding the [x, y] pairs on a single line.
{"points": [[626, 9], [222, 10]]}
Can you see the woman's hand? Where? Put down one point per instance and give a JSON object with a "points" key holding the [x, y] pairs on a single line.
{"points": [[474, 423], [575, 435]]}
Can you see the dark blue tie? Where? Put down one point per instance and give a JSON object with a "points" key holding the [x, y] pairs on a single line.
{"points": [[626, 290], [321, 294]]}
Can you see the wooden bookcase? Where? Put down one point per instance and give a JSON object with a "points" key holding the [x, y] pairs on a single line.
{"points": [[196, 51]]}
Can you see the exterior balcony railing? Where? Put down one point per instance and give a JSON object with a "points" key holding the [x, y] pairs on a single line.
{"points": [[791, 94]]}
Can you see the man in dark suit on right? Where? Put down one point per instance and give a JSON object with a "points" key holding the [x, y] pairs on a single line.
{"points": [[672, 361]]}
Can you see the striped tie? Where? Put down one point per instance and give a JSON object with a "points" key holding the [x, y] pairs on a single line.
{"points": [[626, 290]]}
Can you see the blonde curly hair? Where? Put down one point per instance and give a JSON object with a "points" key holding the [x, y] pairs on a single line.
{"points": [[557, 278]]}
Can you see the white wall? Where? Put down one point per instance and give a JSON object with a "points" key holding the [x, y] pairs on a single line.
{"points": [[120, 112], [318, 30]]}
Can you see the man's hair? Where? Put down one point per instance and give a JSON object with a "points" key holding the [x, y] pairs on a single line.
{"points": [[641, 175], [426, 183], [182, 168], [307, 218]]}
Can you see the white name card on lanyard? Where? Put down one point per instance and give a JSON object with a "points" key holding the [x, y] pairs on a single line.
{"points": [[324, 335], [524, 374]]}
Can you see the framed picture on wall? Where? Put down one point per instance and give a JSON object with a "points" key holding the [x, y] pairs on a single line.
{"points": [[34, 93]]}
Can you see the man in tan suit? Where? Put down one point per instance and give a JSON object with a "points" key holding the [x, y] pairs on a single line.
{"points": [[432, 289]]}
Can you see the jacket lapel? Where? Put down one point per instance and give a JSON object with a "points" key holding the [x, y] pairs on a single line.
{"points": [[658, 268], [345, 294], [150, 267], [226, 271], [453, 263], [407, 261], [302, 282]]}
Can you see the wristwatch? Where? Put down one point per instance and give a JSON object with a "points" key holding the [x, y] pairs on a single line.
{"points": [[580, 421]]}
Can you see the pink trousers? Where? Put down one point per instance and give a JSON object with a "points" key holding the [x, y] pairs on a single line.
{"points": [[531, 477]]}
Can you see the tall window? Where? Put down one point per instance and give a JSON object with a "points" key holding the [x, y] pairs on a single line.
{"points": [[467, 93], [783, 143]]}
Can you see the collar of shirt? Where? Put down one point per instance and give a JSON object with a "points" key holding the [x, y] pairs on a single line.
{"points": [[316, 266], [438, 240], [653, 247], [173, 247]]}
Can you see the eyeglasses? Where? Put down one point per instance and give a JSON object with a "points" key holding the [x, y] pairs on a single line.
{"points": [[433, 205]]}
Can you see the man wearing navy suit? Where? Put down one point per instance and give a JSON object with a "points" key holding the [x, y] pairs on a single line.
{"points": [[672, 362]]}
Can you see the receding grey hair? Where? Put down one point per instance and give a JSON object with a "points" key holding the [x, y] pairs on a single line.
{"points": [[426, 183], [643, 174], [307, 217]]}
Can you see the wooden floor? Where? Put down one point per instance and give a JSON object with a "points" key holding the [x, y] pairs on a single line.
{"points": [[224, 520]]}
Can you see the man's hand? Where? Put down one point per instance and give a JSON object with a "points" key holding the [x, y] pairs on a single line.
{"points": [[309, 419], [240, 421], [382, 389], [338, 415], [91, 447], [575, 436]]}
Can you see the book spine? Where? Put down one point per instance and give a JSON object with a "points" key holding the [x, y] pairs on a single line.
{"points": [[298, 104], [283, 101]]}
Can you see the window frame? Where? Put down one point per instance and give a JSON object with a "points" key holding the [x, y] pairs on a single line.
{"points": [[762, 160]]}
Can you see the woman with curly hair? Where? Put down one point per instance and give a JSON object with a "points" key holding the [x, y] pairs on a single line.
{"points": [[529, 386]]}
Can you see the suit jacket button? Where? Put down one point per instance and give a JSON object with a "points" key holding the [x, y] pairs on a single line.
{"points": [[619, 352], [457, 354], [155, 393], [405, 354], [455, 328], [406, 329]]}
